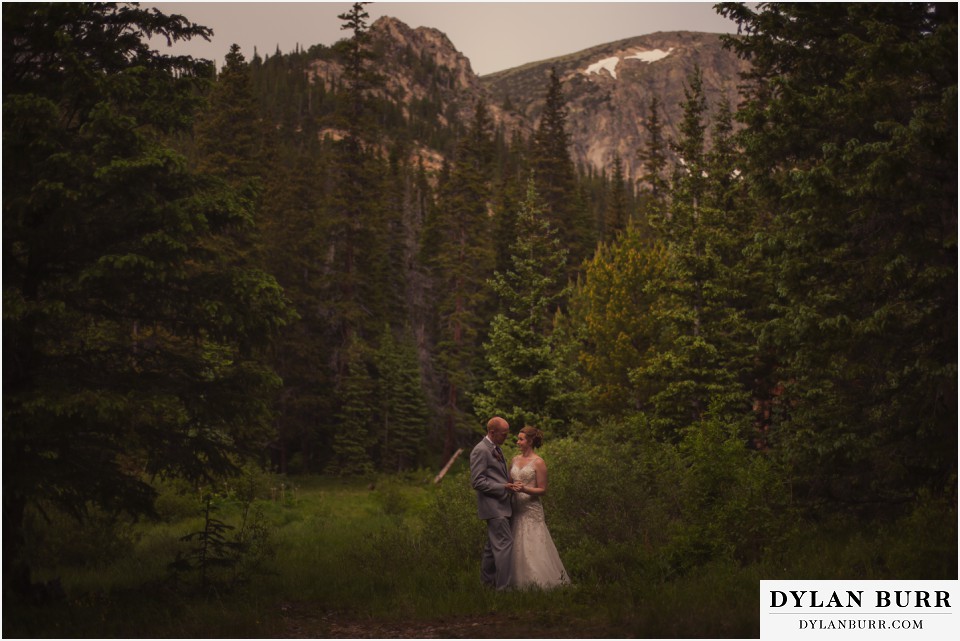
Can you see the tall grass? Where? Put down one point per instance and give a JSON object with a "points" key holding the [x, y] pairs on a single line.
{"points": [[655, 547]]}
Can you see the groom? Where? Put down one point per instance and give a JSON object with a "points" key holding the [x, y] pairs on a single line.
{"points": [[490, 478]]}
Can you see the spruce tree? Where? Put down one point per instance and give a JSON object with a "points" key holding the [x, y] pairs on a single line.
{"points": [[653, 157], [293, 244], [704, 362], [850, 148], [617, 217], [556, 177], [355, 436], [528, 384], [513, 170], [461, 259], [354, 207], [129, 350], [228, 132], [402, 407]]}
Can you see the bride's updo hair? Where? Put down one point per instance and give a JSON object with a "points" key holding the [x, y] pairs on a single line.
{"points": [[534, 435]]}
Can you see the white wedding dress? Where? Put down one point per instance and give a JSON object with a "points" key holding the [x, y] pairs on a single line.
{"points": [[536, 562]]}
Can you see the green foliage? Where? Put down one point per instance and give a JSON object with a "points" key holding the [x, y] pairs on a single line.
{"points": [[224, 556], [131, 343], [706, 352], [735, 502], [921, 543], [59, 538], [555, 176], [614, 319], [528, 382], [359, 76], [806, 263], [617, 216], [604, 489], [229, 132], [851, 152], [654, 157], [354, 438], [620, 507], [402, 410], [212, 548], [664, 508], [458, 251]]}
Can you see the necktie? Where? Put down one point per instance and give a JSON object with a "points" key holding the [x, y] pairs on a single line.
{"points": [[500, 455]]}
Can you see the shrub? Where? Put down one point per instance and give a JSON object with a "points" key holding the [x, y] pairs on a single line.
{"points": [[734, 502], [923, 544], [452, 532], [392, 501], [55, 538], [662, 508], [176, 501], [610, 485]]}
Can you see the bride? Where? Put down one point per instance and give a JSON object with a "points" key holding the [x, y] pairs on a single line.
{"points": [[535, 558]]}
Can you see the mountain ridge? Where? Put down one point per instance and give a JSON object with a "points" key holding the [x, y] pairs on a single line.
{"points": [[607, 101]]}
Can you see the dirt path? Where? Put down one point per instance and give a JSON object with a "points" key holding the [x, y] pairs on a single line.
{"points": [[307, 620]]}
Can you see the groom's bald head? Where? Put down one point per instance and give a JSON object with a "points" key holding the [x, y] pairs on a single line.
{"points": [[497, 429]]}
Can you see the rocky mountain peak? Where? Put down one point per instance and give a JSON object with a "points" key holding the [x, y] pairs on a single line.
{"points": [[426, 42], [607, 88]]}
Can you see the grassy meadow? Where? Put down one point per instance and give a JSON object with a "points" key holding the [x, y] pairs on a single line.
{"points": [[398, 555]]}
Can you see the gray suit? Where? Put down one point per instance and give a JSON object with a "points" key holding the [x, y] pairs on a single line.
{"points": [[488, 475]]}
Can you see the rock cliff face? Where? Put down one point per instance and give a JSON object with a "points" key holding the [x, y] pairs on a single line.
{"points": [[451, 70], [444, 72], [607, 88]]}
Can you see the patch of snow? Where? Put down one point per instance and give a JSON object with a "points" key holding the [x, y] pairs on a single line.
{"points": [[650, 56], [610, 64]]}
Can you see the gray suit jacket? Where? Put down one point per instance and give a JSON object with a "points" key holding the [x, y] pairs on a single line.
{"points": [[488, 476]]}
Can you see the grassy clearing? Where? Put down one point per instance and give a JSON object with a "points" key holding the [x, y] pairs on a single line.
{"points": [[402, 552]]}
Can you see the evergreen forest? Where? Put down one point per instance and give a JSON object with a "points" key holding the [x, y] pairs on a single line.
{"points": [[208, 271]]}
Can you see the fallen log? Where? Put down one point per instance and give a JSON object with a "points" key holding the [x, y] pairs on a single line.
{"points": [[446, 467]]}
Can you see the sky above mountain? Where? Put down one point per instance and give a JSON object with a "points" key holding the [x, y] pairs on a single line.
{"points": [[493, 35]]}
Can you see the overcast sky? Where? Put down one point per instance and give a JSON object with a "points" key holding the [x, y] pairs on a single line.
{"points": [[493, 35]]}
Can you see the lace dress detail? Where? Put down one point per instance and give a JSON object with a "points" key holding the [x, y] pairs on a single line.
{"points": [[536, 562]]}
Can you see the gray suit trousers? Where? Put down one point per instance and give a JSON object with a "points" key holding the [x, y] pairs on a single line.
{"points": [[496, 564]]}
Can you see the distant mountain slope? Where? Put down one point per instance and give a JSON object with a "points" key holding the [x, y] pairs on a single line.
{"points": [[608, 89]]}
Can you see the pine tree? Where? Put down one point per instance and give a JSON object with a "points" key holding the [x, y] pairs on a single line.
{"points": [[556, 177], [616, 211], [654, 159], [513, 170], [353, 272], [228, 132], [528, 383], [850, 148], [704, 363], [359, 75], [294, 242], [402, 404], [355, 436], [129, 351], [461, 259]]}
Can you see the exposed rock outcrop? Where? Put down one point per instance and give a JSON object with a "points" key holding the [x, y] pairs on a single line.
{"points": [[607, 88]]}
